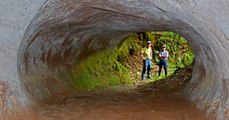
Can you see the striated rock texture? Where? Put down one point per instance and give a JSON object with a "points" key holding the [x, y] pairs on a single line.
{"points": [[64, 32]]}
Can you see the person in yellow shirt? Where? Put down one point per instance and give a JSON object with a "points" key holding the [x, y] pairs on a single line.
{"points": [[146, 54]]}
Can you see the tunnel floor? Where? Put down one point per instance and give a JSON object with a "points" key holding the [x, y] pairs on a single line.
{"points": [[123, 103]]}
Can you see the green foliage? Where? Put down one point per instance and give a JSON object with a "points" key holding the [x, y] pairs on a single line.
{"points": [[129, 47], [104, 69], [180, 53]]}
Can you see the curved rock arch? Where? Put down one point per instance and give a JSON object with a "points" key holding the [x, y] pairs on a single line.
{"points": [[66, 31]]}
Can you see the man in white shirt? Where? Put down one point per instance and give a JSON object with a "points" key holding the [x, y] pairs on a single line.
{"points": [[163, 55]]}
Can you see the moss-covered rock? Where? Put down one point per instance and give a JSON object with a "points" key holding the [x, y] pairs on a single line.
{"points": [[104, 69]]}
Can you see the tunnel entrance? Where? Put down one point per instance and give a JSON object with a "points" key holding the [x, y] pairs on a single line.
{"points": [[124, 97], [107, 90], [122, 64], [121, 97], [62, 35]]}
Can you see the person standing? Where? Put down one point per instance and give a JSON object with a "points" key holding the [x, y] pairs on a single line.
{"points": [[146, 55], [163, 55]]}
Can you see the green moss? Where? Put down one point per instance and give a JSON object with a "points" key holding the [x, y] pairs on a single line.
{"points": [[130, 46], [104, 69]]}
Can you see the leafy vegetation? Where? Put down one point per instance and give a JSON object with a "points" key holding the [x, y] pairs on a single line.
{"points": [[106, 68], [180, 52]]}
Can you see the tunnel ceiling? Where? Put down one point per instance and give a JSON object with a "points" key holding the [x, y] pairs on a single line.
{"points": [[65, 31]]}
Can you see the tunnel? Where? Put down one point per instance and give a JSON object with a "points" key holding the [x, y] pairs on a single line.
{"points": [[64, 32]]}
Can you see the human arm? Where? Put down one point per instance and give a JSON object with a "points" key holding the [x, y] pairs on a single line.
{"points": [[142, 56], [160, 56], [164, 55], [142, 53], [151, 54]]}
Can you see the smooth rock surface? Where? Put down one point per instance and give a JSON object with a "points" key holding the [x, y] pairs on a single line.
{"points": [[15, 16], [63, 32]]}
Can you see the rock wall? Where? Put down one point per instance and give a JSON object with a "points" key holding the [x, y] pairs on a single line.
{"points": [[63, 32], [15, 18]]}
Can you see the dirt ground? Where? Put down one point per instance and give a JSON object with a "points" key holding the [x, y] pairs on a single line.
{"points": [[122, 103], [159, 100]]}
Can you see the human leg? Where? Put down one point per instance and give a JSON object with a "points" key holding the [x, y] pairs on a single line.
{"points": [[148, 68], [143, 70], [166, 68], [160, 67]]}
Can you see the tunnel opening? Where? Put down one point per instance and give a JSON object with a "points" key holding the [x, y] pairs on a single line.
{"points": [[118, 94], [55, 42], [122, 64], [53, 60]]}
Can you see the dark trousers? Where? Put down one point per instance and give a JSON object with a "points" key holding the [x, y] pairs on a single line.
{"points": [[146, 66], [164, 63]]}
